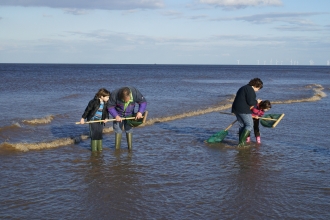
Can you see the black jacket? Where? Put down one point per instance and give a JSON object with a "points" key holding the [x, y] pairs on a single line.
{"points": [[92, 108], [245, 98]]}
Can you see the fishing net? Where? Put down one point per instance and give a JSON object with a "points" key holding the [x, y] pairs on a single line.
{"points": [[271, 120], [219, 136], [135, 123]]}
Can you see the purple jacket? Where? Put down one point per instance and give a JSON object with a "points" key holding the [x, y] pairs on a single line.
{"points": [[116, 105]]}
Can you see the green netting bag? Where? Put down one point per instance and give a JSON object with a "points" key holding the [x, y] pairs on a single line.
{"points": [[135, 123], [219, 136], [271, 120]]}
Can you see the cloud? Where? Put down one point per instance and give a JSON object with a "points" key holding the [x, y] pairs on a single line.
{"points": [[298, 28], [87, 4], [241, 3], [173, 14], [47, 16], [294, 18], [75, 11], [292, 21], [198, 17]]}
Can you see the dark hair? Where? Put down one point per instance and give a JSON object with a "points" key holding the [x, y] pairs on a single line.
{"points": [[102, 92], [256, 82], [265, 104], [124, 92]]}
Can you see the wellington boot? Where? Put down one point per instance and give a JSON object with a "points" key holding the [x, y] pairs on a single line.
{"points": [[129, 137], [118, 140], [242, 138], [99, 145], [94, 145]]}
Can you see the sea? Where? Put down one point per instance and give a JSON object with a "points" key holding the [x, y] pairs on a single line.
{"points": [[47, 169]]}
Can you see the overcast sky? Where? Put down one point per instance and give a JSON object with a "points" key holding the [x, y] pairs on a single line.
{"points": [[267, 32]]}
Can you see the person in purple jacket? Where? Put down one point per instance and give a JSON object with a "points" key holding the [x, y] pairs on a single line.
{"points": [[245, 98], [121, 105]]}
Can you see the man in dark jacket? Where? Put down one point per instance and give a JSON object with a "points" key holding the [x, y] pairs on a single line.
{"points": [[244, 100], [121, 105]]}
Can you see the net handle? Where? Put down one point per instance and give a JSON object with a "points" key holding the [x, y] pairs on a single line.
{"points": [[269, 119], [231, 125], [278, 120], [89, 122], [227, 113]]}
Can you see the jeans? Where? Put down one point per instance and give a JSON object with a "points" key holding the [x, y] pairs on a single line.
{"points": [[245, 122], [118, 127]]}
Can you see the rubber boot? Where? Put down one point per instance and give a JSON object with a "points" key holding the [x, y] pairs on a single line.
{"points": [[243, 137], [129, 140], [94, 145], [99, 145], [258, 140], [118, 140]]}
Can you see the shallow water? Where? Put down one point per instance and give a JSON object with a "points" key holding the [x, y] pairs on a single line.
{"points": [[170, 173]]}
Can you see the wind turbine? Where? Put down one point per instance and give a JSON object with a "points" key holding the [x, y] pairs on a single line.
{"points": [[237, 62], [258, 62], [264, 62], [276, 62], [271, 61], [281, 62], [311, 62], [328, 62]]}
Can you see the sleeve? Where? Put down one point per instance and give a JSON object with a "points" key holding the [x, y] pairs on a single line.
{"points": [[254, 111], [257, 112], [112, 105], [88, 109], [251, 97], [140, 100]]}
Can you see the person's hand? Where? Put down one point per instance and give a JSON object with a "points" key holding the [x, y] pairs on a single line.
{"points": [[138, 115], [259, 100], [118, 118], [82, 121]]}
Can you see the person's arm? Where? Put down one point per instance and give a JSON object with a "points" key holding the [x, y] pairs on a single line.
{"points": [[112, 107], [251, 97], [86, 112], [142, 102]]}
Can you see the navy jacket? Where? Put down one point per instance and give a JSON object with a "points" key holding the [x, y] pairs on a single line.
{"points": [[245, 98]]}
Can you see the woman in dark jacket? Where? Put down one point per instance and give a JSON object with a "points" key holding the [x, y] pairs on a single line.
{"points": [[97, 110], [244, 100]]}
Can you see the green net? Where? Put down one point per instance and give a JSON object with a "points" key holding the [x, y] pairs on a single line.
{"points": [[135, 123], [271, 120], [217, 137]]}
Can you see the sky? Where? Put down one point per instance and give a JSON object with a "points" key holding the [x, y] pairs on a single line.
{"points": [[240, 32]]}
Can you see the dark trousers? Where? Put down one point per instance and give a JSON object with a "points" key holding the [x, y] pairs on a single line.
{"points": [[256, 127], [96, 131]]}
